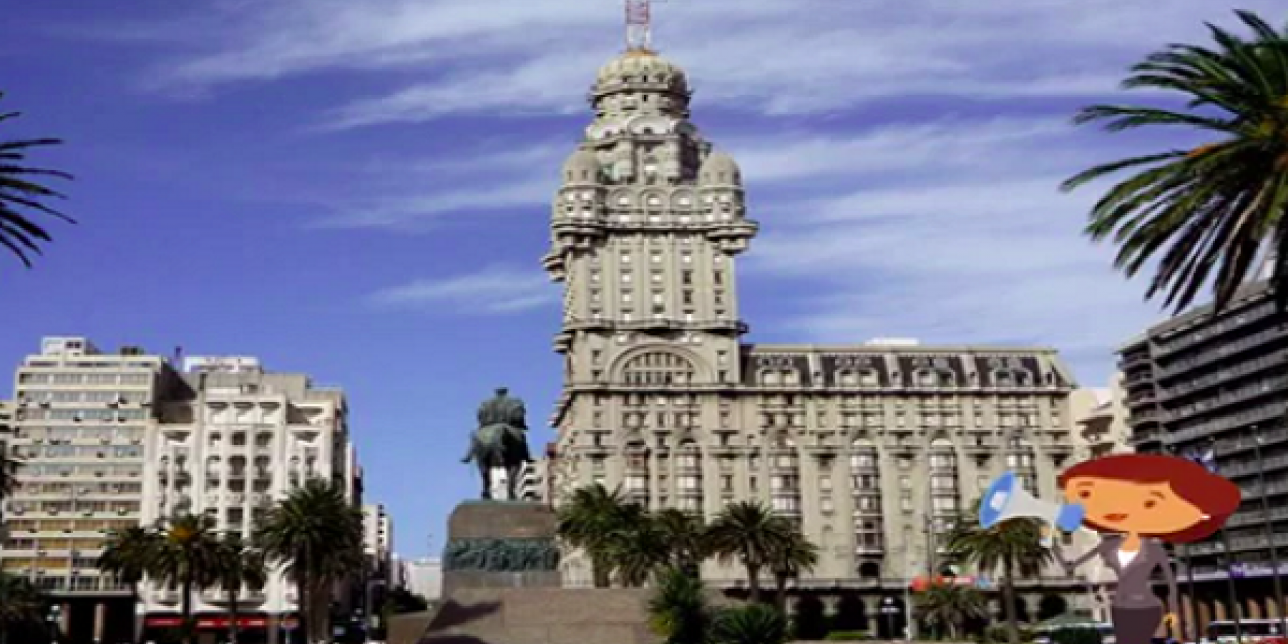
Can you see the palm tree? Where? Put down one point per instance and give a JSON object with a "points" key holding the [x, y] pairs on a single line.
{"points": [[21, 605], [685, 536], [750, 624], [316, 532], [1216, 204], [638, 547], [796, 555], [184, 554], [592, 520], [18, 191], [8, 472], [1014, 546], [950, 605], [127, 555], [239, 565], [678, 609], [750, 533]]}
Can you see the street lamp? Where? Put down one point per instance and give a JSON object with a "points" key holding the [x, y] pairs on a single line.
{"points": [[55, 615], [1227, 555], [889, 609], [1257, 441], [1192, 615]]}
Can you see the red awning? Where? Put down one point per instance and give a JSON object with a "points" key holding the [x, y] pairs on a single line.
{"points": [[206, 621]]}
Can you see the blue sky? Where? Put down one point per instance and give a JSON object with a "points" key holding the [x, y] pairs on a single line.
{"points": [[359, 189]]}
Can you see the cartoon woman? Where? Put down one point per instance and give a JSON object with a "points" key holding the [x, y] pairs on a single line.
{"points": [[1137, 502]]}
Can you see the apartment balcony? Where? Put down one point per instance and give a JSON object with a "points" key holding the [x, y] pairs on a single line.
{"points": [[1242, 395], [1223, 424], [1220, 352], [1256, 517], [1238, 544], [1248, 469]]}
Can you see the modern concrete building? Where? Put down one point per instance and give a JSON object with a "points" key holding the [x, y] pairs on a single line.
{"points": [[377, 534], [1200, 382], [864, 446], [233, 440], [527, 490], [424, 577], [1104, 426], [80, 422]]}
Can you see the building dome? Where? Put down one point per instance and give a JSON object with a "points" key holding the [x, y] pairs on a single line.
{"points": [[582, 166], [641, 69], [719, 169]]}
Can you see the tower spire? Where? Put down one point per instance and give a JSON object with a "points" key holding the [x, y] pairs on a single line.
{"points": [[639, 25]]}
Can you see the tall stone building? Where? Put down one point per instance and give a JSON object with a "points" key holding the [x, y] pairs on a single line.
{"points": [[864, 446]]}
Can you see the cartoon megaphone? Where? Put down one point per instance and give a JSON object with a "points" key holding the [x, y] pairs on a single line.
{"points": [[1007, 499]]}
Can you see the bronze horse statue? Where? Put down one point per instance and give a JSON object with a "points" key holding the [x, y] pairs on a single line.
{"points": [[500, 441]]}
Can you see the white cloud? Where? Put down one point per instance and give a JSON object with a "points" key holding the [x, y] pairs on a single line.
{"points": [[776, 57], [494, 290], [434, 206]]}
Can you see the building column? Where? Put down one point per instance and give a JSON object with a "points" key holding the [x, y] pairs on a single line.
{"points": [[274, 628], [65, 618], [1218, 610], [1254, 608], [1205, 615], [100, 620]]}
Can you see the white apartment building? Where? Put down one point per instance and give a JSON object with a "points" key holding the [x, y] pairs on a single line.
{"points": [[377, 537], [526, 490], [424, 577], [80, 419], [234, 440]]}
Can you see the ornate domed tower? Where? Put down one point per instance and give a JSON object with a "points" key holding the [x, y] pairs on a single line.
{"points": [[645, 231]]}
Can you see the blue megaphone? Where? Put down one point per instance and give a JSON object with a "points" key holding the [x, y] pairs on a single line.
{"points": [[1007, 499]]}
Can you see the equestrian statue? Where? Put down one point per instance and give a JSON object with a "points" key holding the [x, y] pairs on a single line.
{"points": [[500, 441]]}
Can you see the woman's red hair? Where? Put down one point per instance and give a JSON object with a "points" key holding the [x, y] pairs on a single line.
{"points": [[1213, 495]]}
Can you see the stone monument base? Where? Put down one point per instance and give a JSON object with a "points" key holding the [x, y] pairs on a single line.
{"points": [[501, 586], [500, 544]]}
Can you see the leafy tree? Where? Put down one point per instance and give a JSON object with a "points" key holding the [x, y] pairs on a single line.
{"points": [[686, 540], [638, 546], [794, 556], [316, 532], [1014, 546], [401, 600], [750, 624], [21, 606], [1216, 205], [128, 554], [750, 533], [594, 520], [950, 606], [8, 472], [238, 565], [178, 552], [184, 555], [20, 190], [678, 609]]}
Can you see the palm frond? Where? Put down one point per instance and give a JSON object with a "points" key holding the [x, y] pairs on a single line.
{"points": [[1212, 210], [20, 192]]}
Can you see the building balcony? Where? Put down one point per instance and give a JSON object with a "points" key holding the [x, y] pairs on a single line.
{"points": [[1219, 352]]}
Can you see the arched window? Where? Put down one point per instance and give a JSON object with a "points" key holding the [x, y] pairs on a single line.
{"points": [[658, 368]]}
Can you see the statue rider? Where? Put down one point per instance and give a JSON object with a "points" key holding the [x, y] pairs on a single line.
{"points": [[507, 411]]}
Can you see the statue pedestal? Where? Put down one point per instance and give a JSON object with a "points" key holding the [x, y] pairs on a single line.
{"points": [[500, 544]]}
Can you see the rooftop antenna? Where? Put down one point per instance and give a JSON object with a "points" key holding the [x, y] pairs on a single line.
{"points": [[639, 25]]}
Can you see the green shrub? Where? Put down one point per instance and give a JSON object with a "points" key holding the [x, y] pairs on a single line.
{"points": [[749, 624], [1076, 636], [847, 636]]}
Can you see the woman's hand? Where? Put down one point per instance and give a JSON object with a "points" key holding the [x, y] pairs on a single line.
{"points": [[1169, 620]]}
